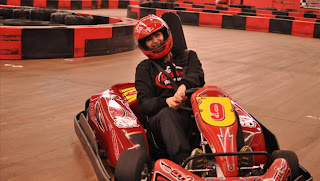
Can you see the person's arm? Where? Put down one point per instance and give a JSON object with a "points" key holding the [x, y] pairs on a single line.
{"points": [[148, 103], [194, 76]]}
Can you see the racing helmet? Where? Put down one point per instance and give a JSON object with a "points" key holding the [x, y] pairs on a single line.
{"points": [[148, 26]]}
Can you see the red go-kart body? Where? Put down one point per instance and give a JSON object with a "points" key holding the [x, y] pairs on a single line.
{"points": [[115, 124], [112, 124]]}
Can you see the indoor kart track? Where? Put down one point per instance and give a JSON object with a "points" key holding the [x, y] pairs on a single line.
{"points": [[275, 77]]}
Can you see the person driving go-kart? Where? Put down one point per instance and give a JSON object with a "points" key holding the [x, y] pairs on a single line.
{"points": [[161, 82], [228, 142]]}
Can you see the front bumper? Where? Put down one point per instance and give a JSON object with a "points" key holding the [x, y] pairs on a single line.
{"points": [[89, 143]]}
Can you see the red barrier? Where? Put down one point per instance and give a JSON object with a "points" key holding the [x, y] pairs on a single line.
{"points": [[134, 2], [200, 2], [136, 9], [99, 4], [258, 4], [210, 20], [296, 14], [24, 42], [83, 33], [14, 2], [265, 21], [185, 5], [113, 4], [77, 4], [234, 9], [267, 15], [235, 1], [264, 12], [302, 28], [254, 23], [65, 4], [40, 3], [114, 20], [210, 7], [159, 12], [229, 12], [194, 9], [305, 19], [87, 4], [10, 42]]}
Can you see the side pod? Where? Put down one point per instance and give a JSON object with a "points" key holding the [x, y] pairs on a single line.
{"points": [[88, 141]]}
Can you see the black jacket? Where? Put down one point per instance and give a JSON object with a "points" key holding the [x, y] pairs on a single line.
{"points": [[154, 87]]}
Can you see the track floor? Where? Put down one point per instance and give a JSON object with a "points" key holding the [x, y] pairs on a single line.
{"points": [[274, 77]]}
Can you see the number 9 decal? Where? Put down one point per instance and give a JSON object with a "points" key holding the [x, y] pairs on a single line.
{"points": [[216, 111]]}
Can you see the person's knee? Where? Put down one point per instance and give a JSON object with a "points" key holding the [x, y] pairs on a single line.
{"points": [[167, 112], [170, 117], [163, 117]]}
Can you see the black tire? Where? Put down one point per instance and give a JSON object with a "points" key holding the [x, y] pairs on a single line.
{"points": [[100, 19], [131, 164], [47, 14], [21, 13], [169, 5], [163, 5], [291, 158], [78, 20], [6, 13], [59, 17], [146, 4], [24, 22], [155, 4], [37, 14]]}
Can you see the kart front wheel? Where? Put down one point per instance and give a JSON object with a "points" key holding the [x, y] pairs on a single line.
{"points": [[133, 165], [291, 158]]}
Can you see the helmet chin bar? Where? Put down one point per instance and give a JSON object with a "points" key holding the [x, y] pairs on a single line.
{"points": [[159, 50], [157, 58]]}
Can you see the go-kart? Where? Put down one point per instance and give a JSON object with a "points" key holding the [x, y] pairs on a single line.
{"points": [[235, 146], [117, 140]]}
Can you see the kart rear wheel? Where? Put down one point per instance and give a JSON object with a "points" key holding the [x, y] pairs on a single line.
{"points": [[291, 158], [133, 165]]}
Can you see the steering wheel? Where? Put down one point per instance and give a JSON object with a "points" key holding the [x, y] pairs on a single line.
{"points": [[187, 104]]}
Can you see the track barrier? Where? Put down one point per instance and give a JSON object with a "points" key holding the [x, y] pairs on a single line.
{"points": [[61, 34], [304, 24], [72, 4]]}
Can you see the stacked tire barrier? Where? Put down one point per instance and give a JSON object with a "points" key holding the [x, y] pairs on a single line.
{"points": [[290, 23], [72, 4], [246, 9], [47, 33]]}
